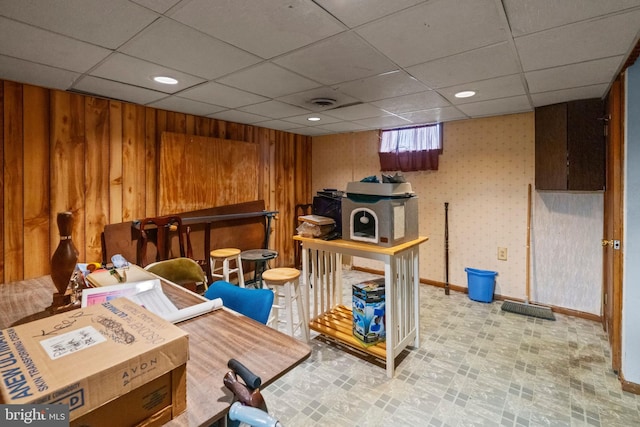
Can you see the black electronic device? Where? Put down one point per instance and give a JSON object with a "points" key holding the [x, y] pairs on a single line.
{"points": [[329, 204], [332, 236]]}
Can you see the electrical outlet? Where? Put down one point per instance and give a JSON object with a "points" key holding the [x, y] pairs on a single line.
{"points": [[502, 254]]}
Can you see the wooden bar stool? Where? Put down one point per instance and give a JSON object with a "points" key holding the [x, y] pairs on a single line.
{"points": [[226, 255], [285, 284]]}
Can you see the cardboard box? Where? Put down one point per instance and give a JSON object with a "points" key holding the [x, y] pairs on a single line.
{"points": [[90, 357], [152, 404], [369, 311]]}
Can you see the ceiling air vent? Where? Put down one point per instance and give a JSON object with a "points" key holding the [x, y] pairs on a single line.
{"points": [[323, 102]]}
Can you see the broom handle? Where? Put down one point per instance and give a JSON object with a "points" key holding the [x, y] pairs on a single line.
{"points": [[528, 244], [446, 248]]}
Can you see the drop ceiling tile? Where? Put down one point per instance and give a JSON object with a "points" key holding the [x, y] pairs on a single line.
{"points": [[182, 48], [480, 64], [115, 90], [414, 102], [574, 75], [342, 127], [557, 96], [357, 12], [449, 45], [436, 29], [493, 107], [583, 41], [529, 17], [303, 99], [386, 85], [435, 115], [217, 94], [303, 119], [278, 124], [36, 74], [104, 23], [238, 117], [33, 44], [134, 71], [338, 59], [500, 87], [269, 80], [385, 122], [309, 131], [356, 112], [160, 6], [188, 106], [271, 28], [274, 109]]}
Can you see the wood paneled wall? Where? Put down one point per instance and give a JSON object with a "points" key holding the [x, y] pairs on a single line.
{"points": [[100, 160], [226, 170]]}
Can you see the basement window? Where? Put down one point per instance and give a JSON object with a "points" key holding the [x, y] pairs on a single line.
{"points": [[410, 149]]}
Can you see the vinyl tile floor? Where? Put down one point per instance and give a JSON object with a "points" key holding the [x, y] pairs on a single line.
{"points": [[476, 366]]}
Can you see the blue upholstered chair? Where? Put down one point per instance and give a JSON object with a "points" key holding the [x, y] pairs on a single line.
{"points": [[253, 303]]}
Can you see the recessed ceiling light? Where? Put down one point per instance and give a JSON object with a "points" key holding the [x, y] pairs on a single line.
{"points": [[165, 80], [313, 119], [465, 94]]}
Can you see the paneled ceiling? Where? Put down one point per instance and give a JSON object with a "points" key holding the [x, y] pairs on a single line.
{"points": [[384, 63]]}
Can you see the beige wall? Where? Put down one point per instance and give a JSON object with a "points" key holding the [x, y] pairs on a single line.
{"points": [[484, 172]]}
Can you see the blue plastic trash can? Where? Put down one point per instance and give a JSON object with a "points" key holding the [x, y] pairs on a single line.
{"points": [[481, 284]]}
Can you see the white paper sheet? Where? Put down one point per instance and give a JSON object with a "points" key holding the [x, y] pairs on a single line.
{"points": [[102, 294], [193, 311], [70, 342], [149, 295]]}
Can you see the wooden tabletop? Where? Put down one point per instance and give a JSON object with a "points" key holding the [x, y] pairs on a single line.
{"points": [[214, 338], [340, 245]]}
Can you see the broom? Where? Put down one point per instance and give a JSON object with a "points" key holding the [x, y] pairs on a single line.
{"points": [[527, 308], [446, 248]]}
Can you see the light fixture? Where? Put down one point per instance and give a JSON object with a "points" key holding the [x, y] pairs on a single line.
{"points": [[465, 94], [165, 80], [313, 119]]}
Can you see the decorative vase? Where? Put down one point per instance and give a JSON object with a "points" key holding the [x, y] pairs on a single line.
{"points": [[64, 259]]}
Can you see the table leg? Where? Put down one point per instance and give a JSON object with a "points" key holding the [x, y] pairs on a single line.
{"points": [[207, 251], [306, 282], [257, 273], [260, 267], [416, 299], [390, 308]]}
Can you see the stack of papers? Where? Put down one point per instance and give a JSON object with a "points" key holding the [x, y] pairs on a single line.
{"points": [[315, 226], [317, 219], [149, 294], [103, 277]]}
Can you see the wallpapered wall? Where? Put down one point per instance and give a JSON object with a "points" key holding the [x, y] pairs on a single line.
{"points": [[484, 173], [631, 240]]}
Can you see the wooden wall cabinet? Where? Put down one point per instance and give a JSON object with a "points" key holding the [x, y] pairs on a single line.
{"points": [[570, 146]]}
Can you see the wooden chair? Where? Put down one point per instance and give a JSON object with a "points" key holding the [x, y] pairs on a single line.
{"points": [[121, 238], [181, 271], [160, 227], [203, 263], [300, 210]]}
